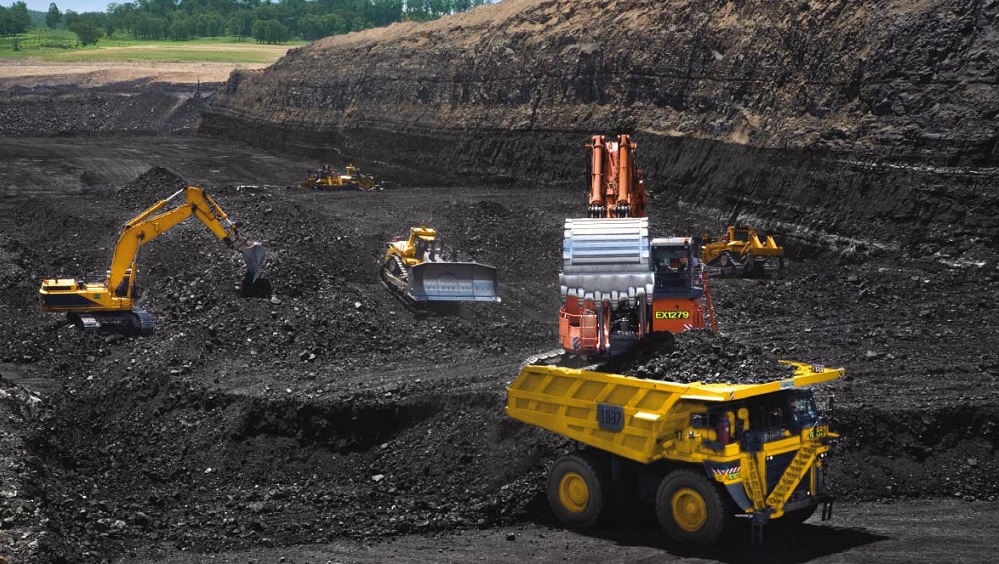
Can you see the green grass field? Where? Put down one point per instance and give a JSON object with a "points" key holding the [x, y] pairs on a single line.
{"points": [[61, 46]]}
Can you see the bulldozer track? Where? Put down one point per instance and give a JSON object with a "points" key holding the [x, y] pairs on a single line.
{"points": [[395, 283]]}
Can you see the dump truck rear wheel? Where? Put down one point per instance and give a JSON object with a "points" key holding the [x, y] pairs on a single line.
{"points": [[691, 509], [577, 489]]}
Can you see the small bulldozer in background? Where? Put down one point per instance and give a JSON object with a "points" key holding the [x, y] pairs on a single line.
{"points": [[328, 178], [422, 270], [741, 252]]}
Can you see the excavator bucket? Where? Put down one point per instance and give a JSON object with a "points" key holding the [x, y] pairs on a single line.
{"points": [[255, 255], [452, 282]]}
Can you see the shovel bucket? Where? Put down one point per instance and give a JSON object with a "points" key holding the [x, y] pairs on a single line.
{"points": [[255, 255], [452, 282]]}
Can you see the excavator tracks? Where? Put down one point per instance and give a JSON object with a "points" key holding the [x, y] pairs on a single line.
{"points": [[131, 323]]}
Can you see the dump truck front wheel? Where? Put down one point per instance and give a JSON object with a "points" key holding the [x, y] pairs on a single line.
{"points": [[577, 489], [691, 509]]}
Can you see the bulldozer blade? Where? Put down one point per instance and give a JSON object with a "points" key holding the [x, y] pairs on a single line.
{"points": [[452, 282], [255, 255]]}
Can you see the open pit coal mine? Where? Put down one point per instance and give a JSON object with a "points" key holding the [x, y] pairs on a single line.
{"points": [[323, 421]]}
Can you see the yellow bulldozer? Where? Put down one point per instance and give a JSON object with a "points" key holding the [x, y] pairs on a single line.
{"points": [[741, 252], [703, 455], [109, 305], [327, 178], [421, 270]]}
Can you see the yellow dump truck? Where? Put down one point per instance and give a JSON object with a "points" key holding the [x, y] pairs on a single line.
{"points": [[702, 454]]}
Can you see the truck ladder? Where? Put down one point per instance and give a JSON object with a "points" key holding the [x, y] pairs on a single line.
{"points": [[711, 306], [754, 485], [799, 466]]}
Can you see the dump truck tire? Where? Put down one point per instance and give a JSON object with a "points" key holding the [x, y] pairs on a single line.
{"points": [[578, 489], [691, 510]]}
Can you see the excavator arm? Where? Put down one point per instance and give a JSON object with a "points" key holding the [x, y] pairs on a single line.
{"points": [[150, 224]]}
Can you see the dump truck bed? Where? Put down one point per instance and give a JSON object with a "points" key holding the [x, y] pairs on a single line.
{"points": [[627, 416]]}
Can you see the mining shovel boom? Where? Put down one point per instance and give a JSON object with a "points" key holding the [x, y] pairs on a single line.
{"points": [[617, 188], [109, 305], [422, 270], [701, 454]]}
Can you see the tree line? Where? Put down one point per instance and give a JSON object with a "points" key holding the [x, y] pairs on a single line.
{"points": [[263, 20], [14, 20]]}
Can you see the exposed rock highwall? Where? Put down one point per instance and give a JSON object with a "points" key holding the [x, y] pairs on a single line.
{"points": [[808, 113]]}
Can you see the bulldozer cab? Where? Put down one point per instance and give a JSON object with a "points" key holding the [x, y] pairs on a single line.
{"points": [[740, 234], [424, 249]]}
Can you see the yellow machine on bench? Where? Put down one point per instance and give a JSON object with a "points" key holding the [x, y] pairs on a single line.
{"points": [[326, 178], [702, 454], [741, 252], [110, 305]]}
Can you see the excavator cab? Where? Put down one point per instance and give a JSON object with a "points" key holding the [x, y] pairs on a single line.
{"points": [[124, 288], [675, 266]]}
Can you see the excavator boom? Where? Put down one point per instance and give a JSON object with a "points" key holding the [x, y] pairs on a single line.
{"points": [[616, 185]]}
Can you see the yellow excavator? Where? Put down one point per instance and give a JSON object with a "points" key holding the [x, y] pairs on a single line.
{"points": [[422, 270], [109, 306]]}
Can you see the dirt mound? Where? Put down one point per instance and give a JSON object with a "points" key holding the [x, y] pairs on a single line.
{"points": [[222, 471], [700, 356], [144, 109], [149, 186]]}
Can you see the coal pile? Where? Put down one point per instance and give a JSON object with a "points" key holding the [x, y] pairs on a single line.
{"points": [[328, 411], [700, 356], [70, 110]]}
